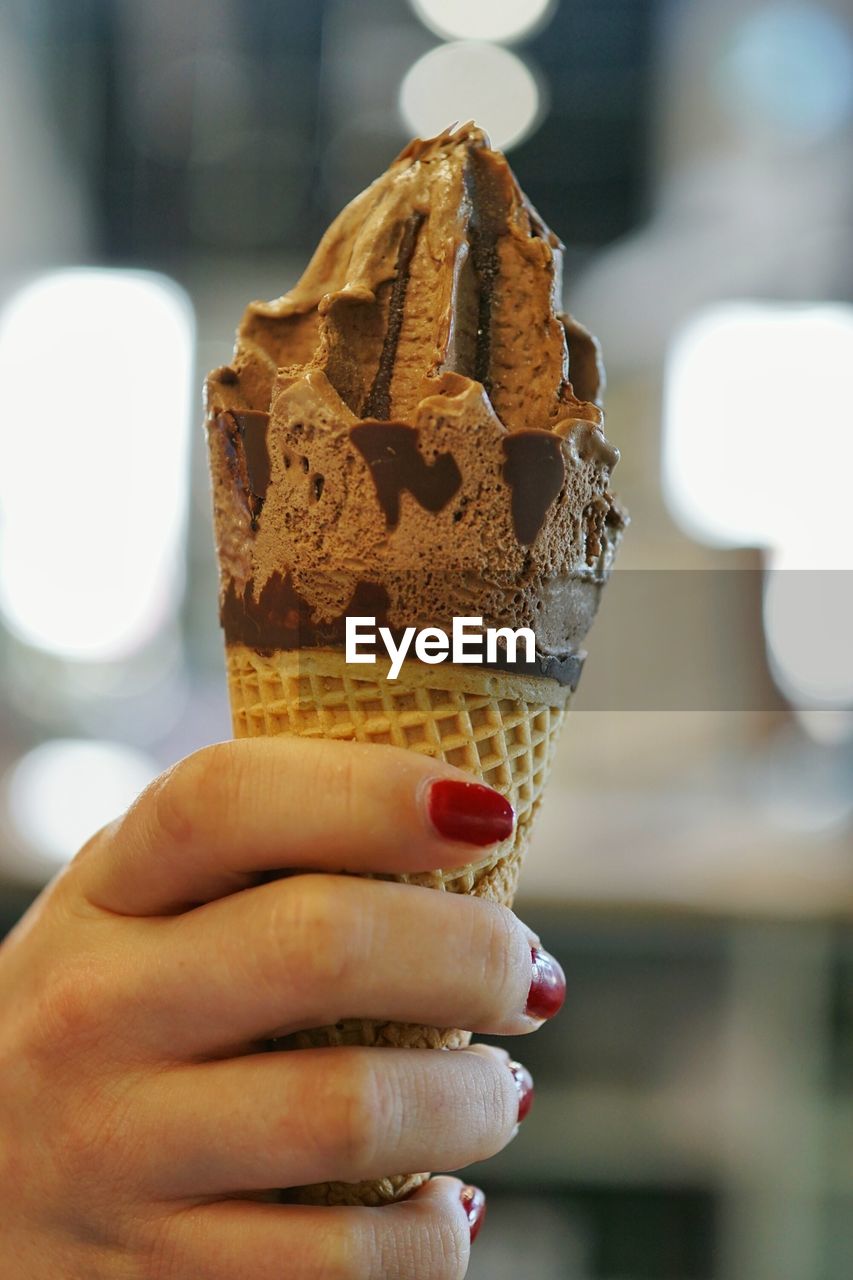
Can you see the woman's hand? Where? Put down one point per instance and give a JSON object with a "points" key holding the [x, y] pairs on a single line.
{"points": [[140, 1124]]}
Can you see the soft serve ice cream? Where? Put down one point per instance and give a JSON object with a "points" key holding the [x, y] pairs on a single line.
{"points": [[414, 431]]}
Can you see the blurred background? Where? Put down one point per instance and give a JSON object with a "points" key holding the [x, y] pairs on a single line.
{"points": [[164, 161]]}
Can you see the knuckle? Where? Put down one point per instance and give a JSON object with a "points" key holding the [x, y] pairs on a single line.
{"points": [[336, 1254], [312, 921], [341, 1126], [97, 1141], [74, 1006], [359, 1112], [96, 840], [194, 793]]}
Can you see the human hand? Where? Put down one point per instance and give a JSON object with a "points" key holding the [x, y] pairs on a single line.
{"points": [[142, 1125]]}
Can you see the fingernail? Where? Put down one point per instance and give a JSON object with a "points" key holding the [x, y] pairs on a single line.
{"points": [[474, 1204], [468, 811], [548, 986], [524, 1084]]}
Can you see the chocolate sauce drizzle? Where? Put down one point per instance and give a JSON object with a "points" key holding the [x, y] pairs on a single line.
{"points": [[245, 435], [378, 402], [281, 619], [535, 470], [391, 451]]}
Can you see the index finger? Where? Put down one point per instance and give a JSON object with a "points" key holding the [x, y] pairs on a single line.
{"points": [[210, 824]]}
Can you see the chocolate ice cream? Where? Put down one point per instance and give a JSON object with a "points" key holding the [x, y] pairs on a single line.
{"points": [[414, 431]]}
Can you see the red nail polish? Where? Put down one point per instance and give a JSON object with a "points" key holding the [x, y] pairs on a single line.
{"points": [[548, 986], [468, 811], [474, 1204], [524, 1084]]}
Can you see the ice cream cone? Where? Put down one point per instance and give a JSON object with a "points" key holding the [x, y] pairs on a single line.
{"points": [[500, 727], [413, 436]]}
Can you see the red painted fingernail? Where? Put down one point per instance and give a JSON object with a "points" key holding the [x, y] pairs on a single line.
{"points": [[548, 986], [474, 1204], [524, 1084], [468, 811]]}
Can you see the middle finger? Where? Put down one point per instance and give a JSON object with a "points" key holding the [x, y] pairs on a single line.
{"points": [[313, 949]]}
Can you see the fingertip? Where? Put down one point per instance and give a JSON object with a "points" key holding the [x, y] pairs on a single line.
{"points": [[458, 1198], [532, 937], [491, 1052], [447, 1201], [442, 1187]]}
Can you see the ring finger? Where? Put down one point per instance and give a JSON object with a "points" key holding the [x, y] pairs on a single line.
{"points": [[322, 1115]]}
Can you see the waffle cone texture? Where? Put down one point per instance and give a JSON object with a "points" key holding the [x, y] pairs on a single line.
{"points": [[499, 727]]}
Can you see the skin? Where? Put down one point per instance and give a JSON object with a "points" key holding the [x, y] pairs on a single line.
{"points": [[140, 1127]]}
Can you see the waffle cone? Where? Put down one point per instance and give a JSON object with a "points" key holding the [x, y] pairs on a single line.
{"points": [[500, 727]]}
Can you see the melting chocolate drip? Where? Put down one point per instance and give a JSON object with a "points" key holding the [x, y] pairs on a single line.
{"points": [[378, 402], [592, 445], [565, 668], [584, 371], [390, 450], [535, 470], [252, 427], [248, 456], [281, 618]]}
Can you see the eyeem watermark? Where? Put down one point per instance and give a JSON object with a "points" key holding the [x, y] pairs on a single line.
{"points": [[469, 641]]}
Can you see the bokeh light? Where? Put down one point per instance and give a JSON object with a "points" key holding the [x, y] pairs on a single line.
{"points": [[96, 366], [469, 80], [63, 791], [808, 622], [789, 69], [756, 429], [757, 403], [484, 19]]}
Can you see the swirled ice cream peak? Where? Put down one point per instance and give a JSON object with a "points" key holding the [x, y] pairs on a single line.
{"points": [[416, 401]]}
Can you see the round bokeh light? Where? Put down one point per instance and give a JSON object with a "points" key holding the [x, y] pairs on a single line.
{"points": [[62, 792], [469, 80], [789, 70], [483, 19], [100, 578]]}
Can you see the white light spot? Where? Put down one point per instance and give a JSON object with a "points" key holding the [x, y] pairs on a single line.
{"points": [[757, 449], [757, 425], [96, 369], [484, 19], [808, 622], [468, 80], [65, 790]]}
